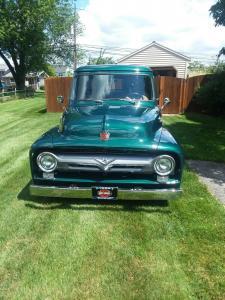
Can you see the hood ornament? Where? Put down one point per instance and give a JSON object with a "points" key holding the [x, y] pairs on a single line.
{"points": [[104, 135]]}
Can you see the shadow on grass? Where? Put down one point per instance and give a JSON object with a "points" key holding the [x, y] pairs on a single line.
{"points": [[47, 203], [201, 136], [42, 111]]}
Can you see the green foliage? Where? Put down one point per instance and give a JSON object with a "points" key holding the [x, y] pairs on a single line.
{"points": [[50, 70], [217, 11], [211, 96], [196, 66], [216, 68], [100, 60], [34, 33], [69, 74]]}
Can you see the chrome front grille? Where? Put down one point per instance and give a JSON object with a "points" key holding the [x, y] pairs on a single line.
{"points": [[105, 163]]}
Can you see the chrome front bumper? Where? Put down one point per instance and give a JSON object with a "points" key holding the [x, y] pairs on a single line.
{"points": [[123, 194]]}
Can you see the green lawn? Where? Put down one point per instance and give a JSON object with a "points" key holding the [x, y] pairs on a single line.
{"points": [[202, 137], [67, 249]]}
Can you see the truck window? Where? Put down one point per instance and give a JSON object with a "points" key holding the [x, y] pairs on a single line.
{"points": [[113, 86]]}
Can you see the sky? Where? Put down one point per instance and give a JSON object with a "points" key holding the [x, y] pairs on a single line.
{"points": [[182, 25], [122, 26]]}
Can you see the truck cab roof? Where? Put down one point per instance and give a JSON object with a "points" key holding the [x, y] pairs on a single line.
{"points": [[115, 68]]}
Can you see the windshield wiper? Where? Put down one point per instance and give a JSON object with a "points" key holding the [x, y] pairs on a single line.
{"points": [[88, 100], [132, 101], [98, 101]]}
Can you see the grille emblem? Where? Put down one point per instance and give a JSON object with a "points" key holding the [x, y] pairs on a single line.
{"points": [[104, 135], [104, 163]]}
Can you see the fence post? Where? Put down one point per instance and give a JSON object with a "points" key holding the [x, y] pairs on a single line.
{"points": [[182, 82], [161, 89], [185, 95]]}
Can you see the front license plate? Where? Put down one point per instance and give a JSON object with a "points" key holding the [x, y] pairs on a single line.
{"points": [[104, 193]]}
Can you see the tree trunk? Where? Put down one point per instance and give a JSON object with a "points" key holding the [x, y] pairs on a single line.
{"points": [[20, 80]]}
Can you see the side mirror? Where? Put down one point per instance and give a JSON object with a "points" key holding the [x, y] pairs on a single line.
{"points": [[60, 99], [166, 102]]}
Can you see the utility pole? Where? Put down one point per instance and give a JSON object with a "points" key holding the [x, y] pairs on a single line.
{"points": [[75, 37]]}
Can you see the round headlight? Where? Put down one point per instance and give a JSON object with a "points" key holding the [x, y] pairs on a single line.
{"points": [[47, 161], [164, 165]]}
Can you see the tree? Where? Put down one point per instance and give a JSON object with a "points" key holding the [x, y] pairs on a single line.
{"points": [[211, 96], [50, 70], [100, 60], [196, 66], [217, 11], [34, 33]]}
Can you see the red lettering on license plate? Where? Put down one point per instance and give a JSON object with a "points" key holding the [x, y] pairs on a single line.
{"points": [[104, 193]]}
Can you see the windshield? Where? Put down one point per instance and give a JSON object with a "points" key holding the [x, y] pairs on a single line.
{"points": [[113, 86]]}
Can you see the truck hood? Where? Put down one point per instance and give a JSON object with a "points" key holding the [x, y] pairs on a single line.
{"points": [[127, 126]]}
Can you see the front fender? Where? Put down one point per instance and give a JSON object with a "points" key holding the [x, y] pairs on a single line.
{"points": [[168, 145]]}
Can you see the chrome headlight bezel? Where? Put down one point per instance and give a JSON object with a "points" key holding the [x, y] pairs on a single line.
{"points": [[40, 158], [157, 166]]}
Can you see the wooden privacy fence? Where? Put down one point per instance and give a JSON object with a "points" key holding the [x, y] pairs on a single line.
{"points": [[57, 86], [180, 91]]}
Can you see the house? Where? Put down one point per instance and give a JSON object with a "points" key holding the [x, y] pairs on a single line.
{"points": [[162, 60], [41, 78], [8, 79], [35, 80], [3, 69], [60, 70]]}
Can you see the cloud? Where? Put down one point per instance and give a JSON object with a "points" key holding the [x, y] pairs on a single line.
{"points": [[183, 25]]}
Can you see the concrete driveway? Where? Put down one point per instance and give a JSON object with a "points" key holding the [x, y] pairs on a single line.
{"points": [[212, 174]]}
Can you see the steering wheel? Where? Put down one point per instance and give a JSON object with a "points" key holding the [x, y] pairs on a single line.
{"points": [[135, 95]]}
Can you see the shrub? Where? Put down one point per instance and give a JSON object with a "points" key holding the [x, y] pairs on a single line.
{"points": [[211, 96]]}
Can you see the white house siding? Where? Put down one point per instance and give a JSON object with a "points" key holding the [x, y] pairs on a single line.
{"points": [[154, 56]]}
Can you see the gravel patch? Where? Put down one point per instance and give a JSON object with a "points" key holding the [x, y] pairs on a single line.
{"points": [[212, 174]]}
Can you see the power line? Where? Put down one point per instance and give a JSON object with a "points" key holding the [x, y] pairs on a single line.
{"points": [[108, 47], [116, 48], [120, 51], [116, 53]]}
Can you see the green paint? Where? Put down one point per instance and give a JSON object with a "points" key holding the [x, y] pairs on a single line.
{"points": [[134, 127]]}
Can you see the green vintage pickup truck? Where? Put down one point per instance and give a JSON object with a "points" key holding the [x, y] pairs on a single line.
{"points": [[110, 143]]}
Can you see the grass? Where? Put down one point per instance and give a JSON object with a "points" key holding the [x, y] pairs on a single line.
{"points": [[71, 249], [201, 136]]}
